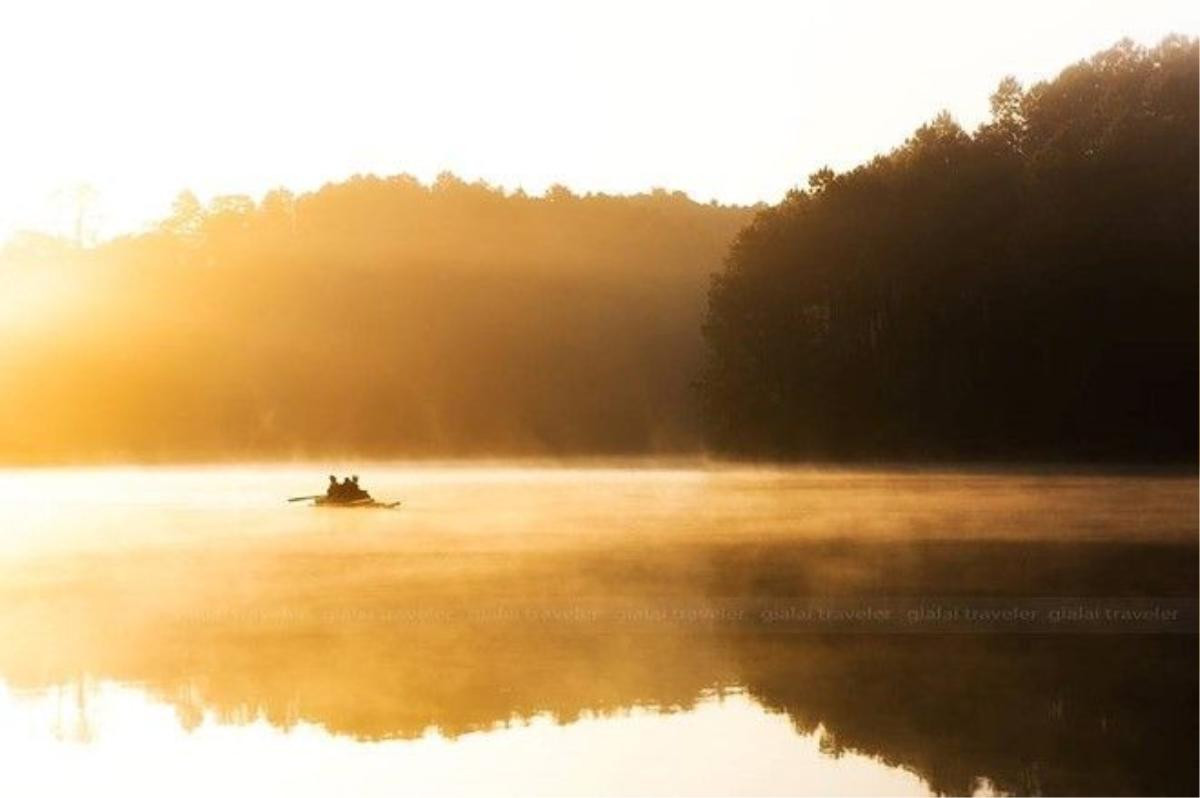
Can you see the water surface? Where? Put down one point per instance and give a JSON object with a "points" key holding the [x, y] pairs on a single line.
{"points": [[558, 630]]}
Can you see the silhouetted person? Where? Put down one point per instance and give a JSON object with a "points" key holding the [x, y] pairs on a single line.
{"points": [[348, 490], [334, 488]]}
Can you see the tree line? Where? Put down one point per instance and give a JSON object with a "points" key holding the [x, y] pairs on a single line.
{"points": [[375, 316], [1025, 291]]}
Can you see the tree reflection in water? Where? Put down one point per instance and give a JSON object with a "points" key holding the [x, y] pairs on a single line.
{"points": [[378, 647]]}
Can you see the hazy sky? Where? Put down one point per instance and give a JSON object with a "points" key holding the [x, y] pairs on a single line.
{"points": [[736, 100]]}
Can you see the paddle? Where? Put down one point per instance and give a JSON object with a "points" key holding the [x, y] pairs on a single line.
{"points": [[305, 498]]}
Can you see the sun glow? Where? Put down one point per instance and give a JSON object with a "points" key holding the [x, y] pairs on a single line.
{"points": [[119, 106], [32, 298]]}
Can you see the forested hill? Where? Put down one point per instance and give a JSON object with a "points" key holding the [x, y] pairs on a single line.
{"points": [[376, 317], [1026, 291]]}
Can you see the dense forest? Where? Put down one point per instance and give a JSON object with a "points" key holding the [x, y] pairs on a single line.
{"points": [[1028, 290], [372, 317]]}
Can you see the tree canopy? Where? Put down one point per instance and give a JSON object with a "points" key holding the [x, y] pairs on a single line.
{"points": [[1028, 290]]}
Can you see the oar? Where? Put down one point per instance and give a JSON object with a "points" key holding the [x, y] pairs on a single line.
{"points": [[305, 498]]}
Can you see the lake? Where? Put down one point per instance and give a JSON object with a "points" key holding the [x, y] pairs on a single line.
{"points": [[612, 628]]}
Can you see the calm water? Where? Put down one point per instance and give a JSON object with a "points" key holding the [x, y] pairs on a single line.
{"points": [[598, 630]]}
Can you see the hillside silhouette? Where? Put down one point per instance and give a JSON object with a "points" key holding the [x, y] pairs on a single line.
{"points": [[1027, 291], [377, 316]]}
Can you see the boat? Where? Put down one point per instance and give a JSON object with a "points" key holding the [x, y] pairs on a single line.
{"points": [[345, 494], [324, 501]]}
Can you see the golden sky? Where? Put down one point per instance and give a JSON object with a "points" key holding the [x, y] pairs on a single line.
{"points": [[736, 101]]}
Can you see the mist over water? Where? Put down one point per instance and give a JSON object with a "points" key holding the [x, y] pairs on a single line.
{"points": [[717, 620]]}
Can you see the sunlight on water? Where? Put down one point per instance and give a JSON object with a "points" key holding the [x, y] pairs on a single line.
{"points": [[173, 626], [68, 740]]}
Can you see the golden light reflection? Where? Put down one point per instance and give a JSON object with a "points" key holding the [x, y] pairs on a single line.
{"points": [[67, 740], [444, 629]]}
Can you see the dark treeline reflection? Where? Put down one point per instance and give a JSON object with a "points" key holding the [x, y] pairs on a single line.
{"points": [[1028, 290], [237, 634], [375, 316]]}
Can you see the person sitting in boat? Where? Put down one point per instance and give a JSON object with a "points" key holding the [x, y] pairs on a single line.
{"points": [[353, 491], [334, 491]]}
